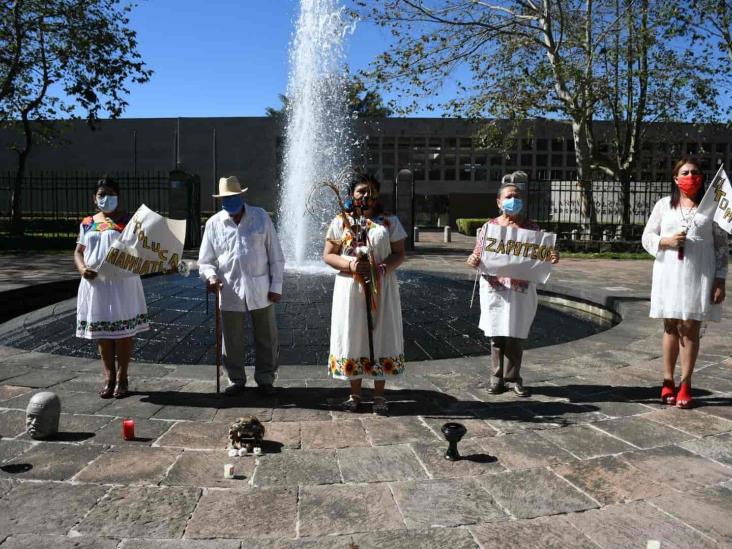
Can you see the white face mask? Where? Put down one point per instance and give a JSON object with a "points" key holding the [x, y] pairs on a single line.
{"points": [[107, 203]]}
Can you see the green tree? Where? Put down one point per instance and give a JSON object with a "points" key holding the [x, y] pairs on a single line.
{"points": [[62, 59], [366, 102], [626, 61]]}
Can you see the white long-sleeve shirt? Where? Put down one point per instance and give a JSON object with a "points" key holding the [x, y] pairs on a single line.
{"points": [[246, 257]]}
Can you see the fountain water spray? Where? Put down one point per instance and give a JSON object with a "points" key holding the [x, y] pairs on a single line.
{"points": [[319, 138]]}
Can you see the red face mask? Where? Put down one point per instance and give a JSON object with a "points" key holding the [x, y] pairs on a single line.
{"points": [[689, 184]]}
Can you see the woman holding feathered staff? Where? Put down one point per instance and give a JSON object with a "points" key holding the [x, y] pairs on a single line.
{"points": [[366, 246]]}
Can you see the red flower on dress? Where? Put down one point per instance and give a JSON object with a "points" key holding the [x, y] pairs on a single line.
{"points": [[368, 366], [349, 367], [388, 365]]}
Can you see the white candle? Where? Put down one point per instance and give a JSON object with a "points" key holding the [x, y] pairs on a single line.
{"points": [[233, 452], [257, 451], [242, 452], [228, 471]]}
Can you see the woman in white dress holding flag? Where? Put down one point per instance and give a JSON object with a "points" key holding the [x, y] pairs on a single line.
{"points": [[507, 305], [689, 274], [111, 310]]}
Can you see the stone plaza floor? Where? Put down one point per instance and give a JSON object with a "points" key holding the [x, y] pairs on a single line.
{"points": [[591, 459]]}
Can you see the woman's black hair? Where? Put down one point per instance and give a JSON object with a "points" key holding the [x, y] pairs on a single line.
{"points": [[108, 182], [675, 192], [363, 177]]}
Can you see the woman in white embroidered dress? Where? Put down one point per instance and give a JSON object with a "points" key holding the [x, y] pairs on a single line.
{"points": [[689, 275], [109, 311], [349, 336], [507, 305]]}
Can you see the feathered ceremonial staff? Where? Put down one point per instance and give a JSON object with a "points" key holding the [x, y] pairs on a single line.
{"points": [[362, 248]]}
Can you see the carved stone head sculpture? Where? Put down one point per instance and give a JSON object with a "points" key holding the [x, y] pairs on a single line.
{"points": [[42, 415]]}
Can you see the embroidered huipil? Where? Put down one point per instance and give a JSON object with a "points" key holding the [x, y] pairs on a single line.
{"points": [[349, 340], [682, 288], [507, 305], [112, 308], [246, 257]]}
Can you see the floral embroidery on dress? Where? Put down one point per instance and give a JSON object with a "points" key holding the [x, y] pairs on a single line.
{"points": [[502, 283], [110, 326], [347, 367], [89, 224]]}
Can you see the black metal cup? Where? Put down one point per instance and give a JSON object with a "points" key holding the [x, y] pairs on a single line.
{"points": [[453, 433]]}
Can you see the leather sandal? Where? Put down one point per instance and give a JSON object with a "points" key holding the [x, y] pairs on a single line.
{"points": [[121, 391], [108, 390], [668, 392], [380, 407], [352, 404], [683, 397]]}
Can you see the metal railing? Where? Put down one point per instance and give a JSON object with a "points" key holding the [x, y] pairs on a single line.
{"points": [[602, 210], [53, 203]]}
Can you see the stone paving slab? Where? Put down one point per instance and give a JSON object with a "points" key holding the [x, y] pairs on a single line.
{"points": [[130, 466], [444, 503], [203, 436], [8, 392], [398, 430], [294, 467], [717, 448], [11, 448], [707, 510], [551, 532], [74, 428], [642, 432], [610, 480], [585, 441], [633, 524], [269, 512], [678, 468], [206, 469], [147, 431], [525, 450], [429, 538], [691, 422], [534, 493], [50, 461], [380, 464], [333, 434], [46, 508], [339, 509], [475, 460], [12, 423], [180, 544], [33, 541], [141, 511]]}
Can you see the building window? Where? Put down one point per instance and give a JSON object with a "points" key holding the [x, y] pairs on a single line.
{"points": [[542, 160], [557, 175], [466, 143], [557, 160], [571, 160], [449, 174], [558, 144], [527, 144], [542, 144], [526, 161]]}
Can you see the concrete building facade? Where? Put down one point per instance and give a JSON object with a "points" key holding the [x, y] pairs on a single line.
{"points": [[454, 176]]}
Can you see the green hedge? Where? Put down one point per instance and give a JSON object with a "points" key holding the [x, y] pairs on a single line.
{"points": [[470, 225]]}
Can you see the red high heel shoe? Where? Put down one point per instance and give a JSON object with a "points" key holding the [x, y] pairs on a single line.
{"points": [[683, 397], [668, 392]]}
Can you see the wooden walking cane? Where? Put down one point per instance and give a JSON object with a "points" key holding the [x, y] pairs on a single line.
{"points": [[218, 338]]}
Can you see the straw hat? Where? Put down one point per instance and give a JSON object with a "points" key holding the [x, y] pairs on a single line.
{"points": [[229, 186]]}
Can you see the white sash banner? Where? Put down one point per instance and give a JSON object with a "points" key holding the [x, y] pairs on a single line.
{"points": [[150, 243], [717, 201], [517, 253]]}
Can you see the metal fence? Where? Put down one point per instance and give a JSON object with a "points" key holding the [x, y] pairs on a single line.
{"points": [[559, 205], [53, 204]]}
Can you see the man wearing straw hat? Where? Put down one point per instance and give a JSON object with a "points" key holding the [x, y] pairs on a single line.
{"points": [[241, 255]]}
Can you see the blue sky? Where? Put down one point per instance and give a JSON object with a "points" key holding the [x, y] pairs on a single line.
{"points": [[227, 60]]}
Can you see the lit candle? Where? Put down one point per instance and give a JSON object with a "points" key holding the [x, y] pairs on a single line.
{"points": [[233, 452], [228, 471], [257, 451], [242, 452], [128, 429]]}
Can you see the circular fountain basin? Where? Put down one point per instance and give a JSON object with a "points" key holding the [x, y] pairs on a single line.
{"points": [[438, 322]]}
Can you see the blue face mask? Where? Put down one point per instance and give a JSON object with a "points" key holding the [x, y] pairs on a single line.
{"points": [[512, 206], [107, 203], [232, 204]]}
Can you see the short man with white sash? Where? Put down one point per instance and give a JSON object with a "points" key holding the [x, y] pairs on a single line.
{"points": [[241, 254]]}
